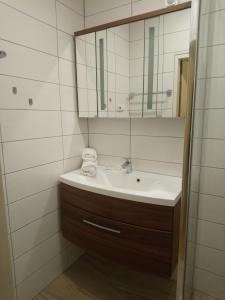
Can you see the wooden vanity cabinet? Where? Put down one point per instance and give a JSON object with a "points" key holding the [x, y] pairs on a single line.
{"points": [[140, 235]]}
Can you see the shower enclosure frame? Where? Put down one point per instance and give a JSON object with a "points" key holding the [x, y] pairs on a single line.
{"points": [[188, 143]]}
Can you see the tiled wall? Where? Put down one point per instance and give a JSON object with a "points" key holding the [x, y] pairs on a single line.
{"points": [[40, 141], [210, 108], [153, 144]]}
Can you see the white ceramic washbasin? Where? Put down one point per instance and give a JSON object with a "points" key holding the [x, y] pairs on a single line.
{"points": [[137, 186]]}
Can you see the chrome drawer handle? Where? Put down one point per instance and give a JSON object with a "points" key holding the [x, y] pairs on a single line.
{"points": [[101, 227]]}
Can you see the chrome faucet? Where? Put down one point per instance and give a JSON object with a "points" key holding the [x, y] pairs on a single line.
{"points": [[127, 165]]}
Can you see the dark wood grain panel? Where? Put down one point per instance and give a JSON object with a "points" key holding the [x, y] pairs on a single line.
{"points": [[130, 212], [136, 18], [154, 243], [143, 236], [113, 250]]}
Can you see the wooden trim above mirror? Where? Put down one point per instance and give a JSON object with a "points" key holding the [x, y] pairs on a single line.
{"points": [[155, 13]]}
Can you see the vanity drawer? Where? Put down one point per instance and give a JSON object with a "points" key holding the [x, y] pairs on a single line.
{"points": [[153, 243], [126, 211], [116, 239]]}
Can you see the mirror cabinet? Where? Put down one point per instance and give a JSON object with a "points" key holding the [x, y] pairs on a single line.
{"points": [[134, 68]]}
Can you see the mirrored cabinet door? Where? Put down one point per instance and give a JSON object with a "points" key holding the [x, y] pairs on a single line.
{"points": [[86, 75], [136, 69], [118, 70]]}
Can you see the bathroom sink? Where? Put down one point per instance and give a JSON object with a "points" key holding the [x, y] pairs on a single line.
{"points": [[137, 186]]}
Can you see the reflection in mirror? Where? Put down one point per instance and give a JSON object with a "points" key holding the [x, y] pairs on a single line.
{"points": [[174, 37], [118, 71], [86, 75], [135, 70]]}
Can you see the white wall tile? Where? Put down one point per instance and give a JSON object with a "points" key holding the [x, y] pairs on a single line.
{"points": [[77, 5], [108, 16], [156, 148], [68, 98], [26, 124], [33, 260], [42, 10], [26, 31], [211, 208], [96, 6], [212, 181], [214, 88], [177, 21], [38, 66], [45, 95], [158, 167], [212, 284], [67, 20], [216, 23], [27, 182], [109, 126], [158, 127], [66, 46], [33, 285], [216, 61], [31, 235], [74, 144], [209, 6], [143, 6], [115, 145], [31, 132], [72, 124], [214, 123], [32, 208], [213, 153], [211, 260], [211, 235], [71, 164], [66, 72], [176, 42], [31, 153]]}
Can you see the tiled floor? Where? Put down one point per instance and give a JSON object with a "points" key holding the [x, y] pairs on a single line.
{"points": [[90, 278]]}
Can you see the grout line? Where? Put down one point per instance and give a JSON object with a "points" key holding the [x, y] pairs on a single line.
{"points": [[34, 167], [209, 271], [35, 220], [5, 195], [137, 135], [26, 14], [67, 6], [107, 10], [142, 159], [25, 198], [60, 253], [39, 138], [209, 221], [38, 244], [60, 95], [202, 294], [33, 194], [212, 11], [206, 246], [223, 197], [36, 80]]}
